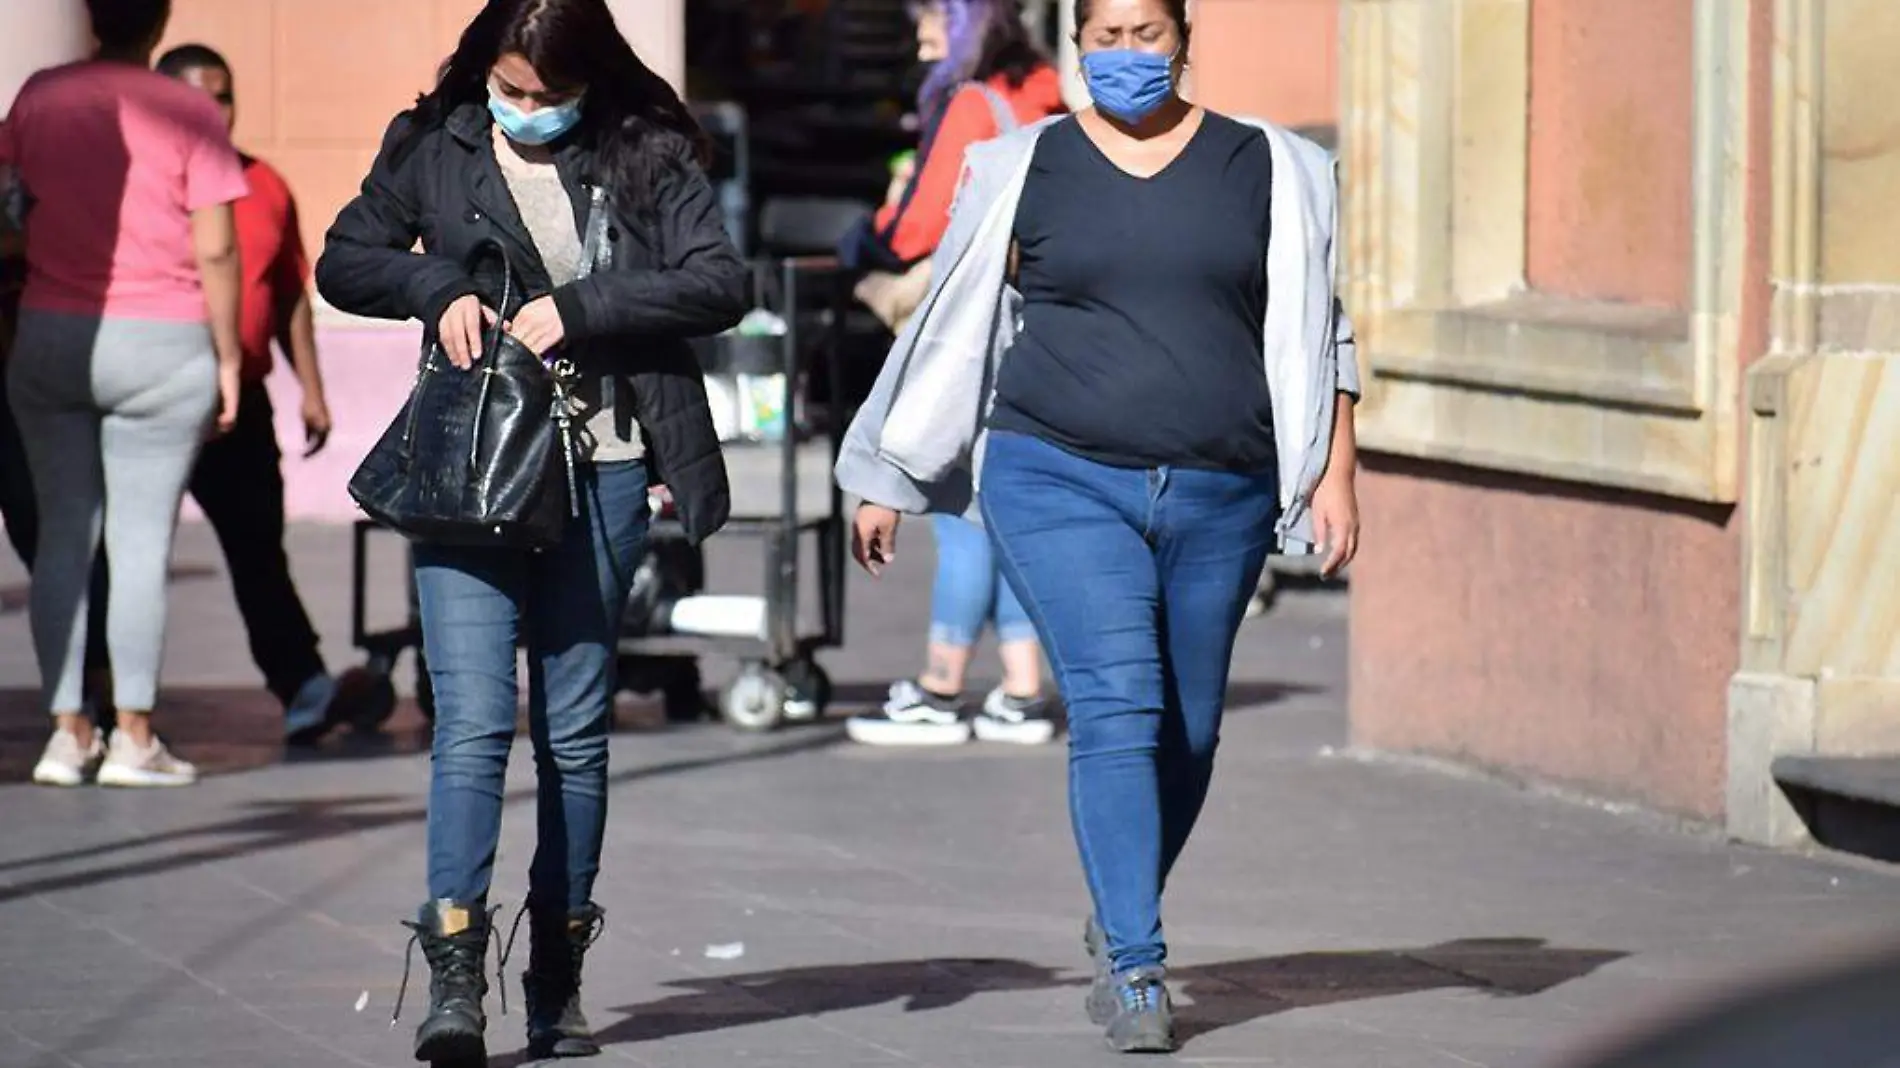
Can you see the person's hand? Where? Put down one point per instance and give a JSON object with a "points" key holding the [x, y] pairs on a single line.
{"points": [[460, 330], [1336, 521], [874, 537], [316, 424], [228, 389], [538, 326]]}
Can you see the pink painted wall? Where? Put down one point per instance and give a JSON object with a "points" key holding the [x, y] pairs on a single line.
{"points": [[1552, 630], [315, 101], [39, 33], [1612, 98], [1276, 59], [367, 373]]}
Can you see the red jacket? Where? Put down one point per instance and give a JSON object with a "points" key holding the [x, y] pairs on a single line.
{"points": [[913, 227]]}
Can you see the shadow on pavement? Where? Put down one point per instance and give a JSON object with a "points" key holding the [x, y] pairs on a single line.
{"points": [[274, 825], [1839, 1014], [1210, 997], [849, 697]]}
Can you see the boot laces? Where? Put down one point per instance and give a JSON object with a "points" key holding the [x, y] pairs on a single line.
{"points": [[457, 953], [596, 925]]}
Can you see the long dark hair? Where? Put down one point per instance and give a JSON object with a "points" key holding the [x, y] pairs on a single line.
{"points": [[636, 124], [986, 38]]}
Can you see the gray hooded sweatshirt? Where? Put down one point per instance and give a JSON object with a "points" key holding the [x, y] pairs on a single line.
{"points": [[917, 443]]}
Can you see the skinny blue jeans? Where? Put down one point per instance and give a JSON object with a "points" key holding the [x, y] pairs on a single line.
{"points": [[564, 606], [1137, 580]]}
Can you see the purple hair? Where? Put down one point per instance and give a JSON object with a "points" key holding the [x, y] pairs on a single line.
{"points": [[986, 38]]}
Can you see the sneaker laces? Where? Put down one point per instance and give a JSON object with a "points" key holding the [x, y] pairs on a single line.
{"points": [[903, 694], [1141, 993], [417, 930]]}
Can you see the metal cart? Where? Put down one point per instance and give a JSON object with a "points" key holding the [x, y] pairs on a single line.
{"points": [[779, 679], [382, 648]]}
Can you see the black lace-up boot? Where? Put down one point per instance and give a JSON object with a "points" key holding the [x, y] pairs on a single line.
{"points": [[454, 940], [558, 941]]}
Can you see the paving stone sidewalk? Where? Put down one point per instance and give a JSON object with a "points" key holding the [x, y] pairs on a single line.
{"points": [[790, 900]]}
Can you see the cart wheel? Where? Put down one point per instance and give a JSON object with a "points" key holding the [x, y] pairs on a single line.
{"points": [[808, 690], [755, 701], [425, 689]]}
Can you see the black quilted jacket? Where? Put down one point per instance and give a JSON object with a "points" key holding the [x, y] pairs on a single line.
{"points": [[669, 279]]}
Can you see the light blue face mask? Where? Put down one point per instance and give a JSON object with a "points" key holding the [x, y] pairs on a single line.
{"points": [[1127, 83], [537, 127]]}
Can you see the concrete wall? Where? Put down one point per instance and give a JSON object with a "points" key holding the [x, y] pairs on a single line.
{"points": [[1277, 59], [1537, 626], [1821, 629], [38, 33], [1611, 116], [1561, 628]]}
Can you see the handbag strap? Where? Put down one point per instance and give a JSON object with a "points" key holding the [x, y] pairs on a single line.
{"points": [[596, 236], [593, 243], [507, 292]]}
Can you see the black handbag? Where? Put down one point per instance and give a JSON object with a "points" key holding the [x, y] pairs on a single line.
{"points": [[482, 457]]}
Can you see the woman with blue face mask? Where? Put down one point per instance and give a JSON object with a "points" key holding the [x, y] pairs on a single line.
{"points": [[1141, 299], [545, 135]]}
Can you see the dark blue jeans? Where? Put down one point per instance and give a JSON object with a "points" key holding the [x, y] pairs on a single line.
{"points": [[1137, 581], [564, 606]]}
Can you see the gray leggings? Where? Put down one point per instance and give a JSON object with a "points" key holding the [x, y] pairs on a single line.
{"points": [[112, 413]]}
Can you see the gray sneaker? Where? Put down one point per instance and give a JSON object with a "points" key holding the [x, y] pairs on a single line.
{"points": [[1144, 1016]]}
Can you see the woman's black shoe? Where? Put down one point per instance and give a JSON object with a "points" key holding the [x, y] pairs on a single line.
{"points": [[557, 947], [454, 940]]}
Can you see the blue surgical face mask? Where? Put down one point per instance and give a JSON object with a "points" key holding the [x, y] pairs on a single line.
{"points": [[1127, 83], [537, 127]]}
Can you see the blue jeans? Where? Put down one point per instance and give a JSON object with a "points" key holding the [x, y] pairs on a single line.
{"points": [[564, 606], [1137, 581], [969, 592]]}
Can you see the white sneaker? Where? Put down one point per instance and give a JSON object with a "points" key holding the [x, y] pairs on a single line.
{"points": [[66, 762], [127, 764], [1015, 720], [912, 716]]}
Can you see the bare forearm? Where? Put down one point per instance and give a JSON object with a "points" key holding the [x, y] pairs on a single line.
{"points": [[214, 240], [222, 284], [299, 340], [1342, 461]]}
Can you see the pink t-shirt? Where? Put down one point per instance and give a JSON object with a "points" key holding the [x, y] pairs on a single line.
{"points": [[114, 160]]}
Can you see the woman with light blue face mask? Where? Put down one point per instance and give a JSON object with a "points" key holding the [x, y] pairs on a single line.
{"points": [[548, 137], [1169, 402]]}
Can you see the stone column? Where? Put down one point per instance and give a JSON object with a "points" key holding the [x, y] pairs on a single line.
{"points": [[39, 33], [657, 29]]}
